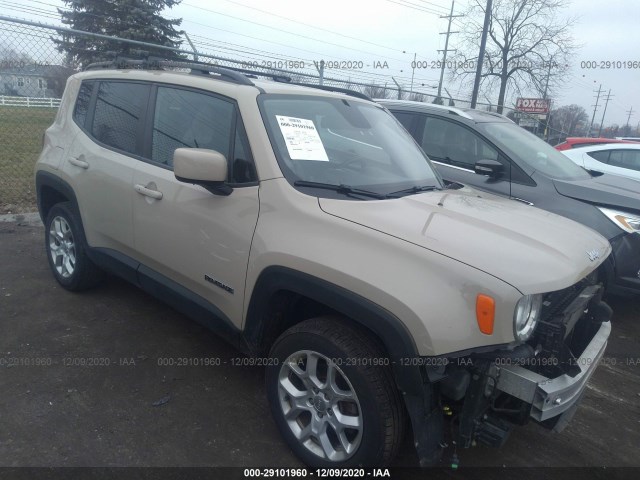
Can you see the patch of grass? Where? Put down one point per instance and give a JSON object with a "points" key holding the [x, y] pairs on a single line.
{"points": [[21, 131]]}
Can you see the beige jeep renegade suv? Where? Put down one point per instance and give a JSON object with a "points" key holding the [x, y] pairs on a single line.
{"points": [[307, 227]]}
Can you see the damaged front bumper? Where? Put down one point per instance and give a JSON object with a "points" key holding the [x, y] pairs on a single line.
{"points": [[487, 393], [550, 397]]}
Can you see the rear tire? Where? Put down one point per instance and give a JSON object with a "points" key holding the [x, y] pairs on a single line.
{"points": [[333, 396], [67, 249]]}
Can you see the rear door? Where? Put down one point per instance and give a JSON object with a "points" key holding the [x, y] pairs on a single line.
{"points": [[625, 162], [103, 156], [182, 231]]}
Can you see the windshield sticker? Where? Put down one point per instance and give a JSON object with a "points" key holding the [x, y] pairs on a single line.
{"points": [[302, 139]]}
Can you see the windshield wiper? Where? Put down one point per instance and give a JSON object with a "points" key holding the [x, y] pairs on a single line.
{"points": [[414, 189], [341, 188]]}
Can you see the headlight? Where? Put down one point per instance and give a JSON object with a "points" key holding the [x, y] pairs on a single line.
{"points": [[526, 316], [626, 221]]}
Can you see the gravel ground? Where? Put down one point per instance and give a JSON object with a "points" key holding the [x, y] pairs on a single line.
{"points": [[91, 388]]}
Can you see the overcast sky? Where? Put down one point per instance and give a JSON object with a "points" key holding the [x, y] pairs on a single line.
{"points": [[381, 31]]}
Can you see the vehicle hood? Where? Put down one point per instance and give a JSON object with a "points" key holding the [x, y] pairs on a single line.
{"points": [[533, 250], [612, 190]]}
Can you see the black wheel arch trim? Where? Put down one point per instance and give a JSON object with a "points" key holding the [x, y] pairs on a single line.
{"points": [[393, 334], [47, 179]]}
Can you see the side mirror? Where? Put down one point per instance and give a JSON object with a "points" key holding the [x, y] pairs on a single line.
{"points": [[489, 168], [201, 166]]}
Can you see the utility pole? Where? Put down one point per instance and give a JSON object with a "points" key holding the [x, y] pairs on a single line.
{"points": [[605, 112], [451, 16], [483, 46], [595, 108], [630, 112]]}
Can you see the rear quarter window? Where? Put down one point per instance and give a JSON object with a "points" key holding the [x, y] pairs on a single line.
{"points": [[82, 103]]}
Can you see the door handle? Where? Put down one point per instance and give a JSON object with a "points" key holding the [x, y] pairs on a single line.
{"points": [[78, 163], [147, 192]]}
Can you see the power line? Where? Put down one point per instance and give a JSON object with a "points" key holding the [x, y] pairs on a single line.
{"points": [[297, 22], [434, 5], [407, 4], [287, 32], [368, 76], [28, 10]]}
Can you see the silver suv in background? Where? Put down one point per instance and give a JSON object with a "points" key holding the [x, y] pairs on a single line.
{"points": [[307, 227]]}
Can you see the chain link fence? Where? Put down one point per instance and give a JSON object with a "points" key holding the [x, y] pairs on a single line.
{"points": [[33, 75]]}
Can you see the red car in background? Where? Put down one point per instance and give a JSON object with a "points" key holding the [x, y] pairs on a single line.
{"points": [[575, 142]]}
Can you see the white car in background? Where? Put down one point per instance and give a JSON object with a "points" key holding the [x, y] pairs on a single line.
{"points": [[615, 158]]}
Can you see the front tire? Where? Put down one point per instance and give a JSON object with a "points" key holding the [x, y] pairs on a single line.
{"points": [[333, 396], [67, 249]]}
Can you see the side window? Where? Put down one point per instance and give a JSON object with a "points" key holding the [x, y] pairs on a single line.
{"points": [[82, 103], [186, 119], [454, 144], [625, 159], [600, 155], [406, 119], [118, 113], [189, 119]]}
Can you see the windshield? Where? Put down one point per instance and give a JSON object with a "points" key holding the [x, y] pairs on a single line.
{"points": [[535, 152], [342, 142]]}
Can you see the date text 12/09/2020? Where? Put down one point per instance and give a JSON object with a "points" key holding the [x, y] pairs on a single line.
{"points": [[318, 472]]}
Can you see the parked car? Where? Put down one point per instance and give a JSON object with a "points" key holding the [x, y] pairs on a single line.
{"points": [[576, 142], [490, 152], [617, 159], [307, 227]]}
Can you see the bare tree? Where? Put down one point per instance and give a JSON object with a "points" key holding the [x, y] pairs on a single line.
{"points": [[611, 131], [569, 120], [528, 45], [10, 57]]}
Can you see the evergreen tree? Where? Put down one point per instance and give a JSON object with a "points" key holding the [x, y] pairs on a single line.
{"points": [[127, 19]]}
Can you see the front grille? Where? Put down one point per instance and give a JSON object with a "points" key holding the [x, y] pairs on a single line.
{"points": [[564, 329], [554, 303]]}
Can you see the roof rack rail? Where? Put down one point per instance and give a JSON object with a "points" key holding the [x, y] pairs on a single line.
{"points": [[236, 75], [329, 88], [255, 74], [197, 68]]}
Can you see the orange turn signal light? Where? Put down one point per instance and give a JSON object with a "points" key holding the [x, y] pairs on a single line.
{"points": [[485, 313]]}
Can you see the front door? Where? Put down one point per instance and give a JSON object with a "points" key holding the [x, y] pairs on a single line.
{"points": [[182, 231], [455, 149]]}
